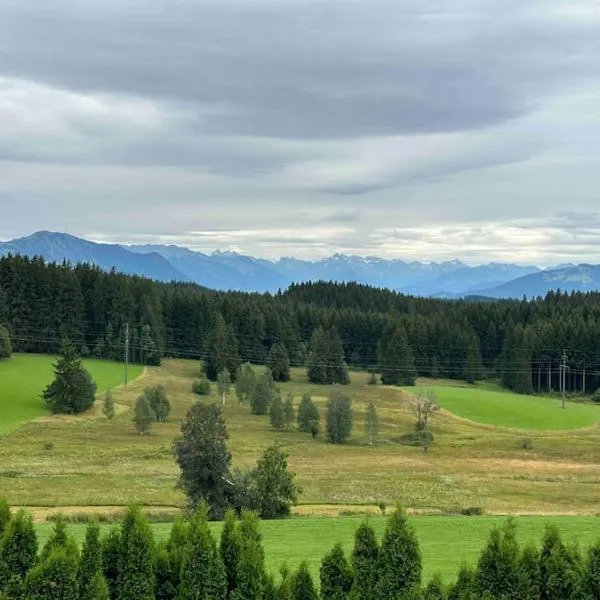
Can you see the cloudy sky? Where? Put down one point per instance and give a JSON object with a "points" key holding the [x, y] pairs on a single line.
{"points": [[420, 129]]}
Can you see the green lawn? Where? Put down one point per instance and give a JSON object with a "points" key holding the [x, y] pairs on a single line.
{"points": [[24, 377], [446, 542], [506, 409]]}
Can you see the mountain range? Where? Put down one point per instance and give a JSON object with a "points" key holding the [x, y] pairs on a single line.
{"points": [[232, 271]]}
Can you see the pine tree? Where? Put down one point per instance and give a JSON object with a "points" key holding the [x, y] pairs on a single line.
{"points": [[202, 573], [276, 412], [399, 564], [289, 415], [202, 455], [224, 384], [72, 391], [221, 350], [5, 515], [336, 575], [108, 406], [230, 549], [135, 576], [279, 362], [302, 586], [144, 415], [339, 418], [397, 360], [90, 567], [326, 363], [262, 395], [372, 424], [434, 590], [244, 382], [308, 416], [365, 558], [18, 549], [5, 345]]}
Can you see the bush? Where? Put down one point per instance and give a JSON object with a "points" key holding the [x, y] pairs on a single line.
{"points": [[472, 511], [526, 444], [201, 387]]}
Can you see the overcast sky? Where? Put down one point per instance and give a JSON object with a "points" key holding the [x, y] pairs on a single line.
{"points": [[422, 129]]}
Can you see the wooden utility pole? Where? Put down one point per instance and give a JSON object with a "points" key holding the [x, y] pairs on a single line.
{"points": [[563, 377], [126, 352]]}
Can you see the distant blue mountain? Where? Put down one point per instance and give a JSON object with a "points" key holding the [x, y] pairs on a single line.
{"points": [[232, 271]]}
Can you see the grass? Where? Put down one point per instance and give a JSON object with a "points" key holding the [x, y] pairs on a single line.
{"points": [[446, 542], [505, 409], [24, 378], [99, 463]]}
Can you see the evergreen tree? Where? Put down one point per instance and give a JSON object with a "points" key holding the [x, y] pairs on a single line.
{"points": [[244, 382], [516, 360], [18, 550], [251, 573], [90, 567], [111, 553], [230, 550], [326, 364], [336, 575], [5, 515], [365, 558], [169, 561], [135, 569], [302, 586], [262, 394], [399, 564], [591, 578], [289, 415], [474, 365], [98, 589], [308, 416], [276, 413], [529, 574], [159, 402], [339, 418], [108, 406], [5, 345], [435, 590], [54, 578], [279, 362], [372, 424], [72, 391], [464, 586], [221, 349], [497, 570], [397, 360], [202, 455], [144, 415], [203, 575], [372, 378], [275, 486], [58, 540], [224, 384]]}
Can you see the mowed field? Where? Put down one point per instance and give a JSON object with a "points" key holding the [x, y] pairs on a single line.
{"points": [[24, 377], [446, 542], [95, 462]]}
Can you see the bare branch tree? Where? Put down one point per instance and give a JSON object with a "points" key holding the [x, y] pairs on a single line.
{"points": [[423, 406]]}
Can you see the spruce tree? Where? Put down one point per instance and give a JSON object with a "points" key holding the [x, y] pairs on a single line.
{"points": [[474, 365], [326, 363], [279, 362], [220, 350], [289, 415], [335, 575], [144, 415], [135, 570], [399, 564], [244, 382], [230, 549], [365, 558], [5, 345], [5, 515], [202, 455], [54, 578], [108, 406], [224, 384], [397, 360], [18, 549], [90, 567], [372, 424], [276, 412], [262, 395], [202, 573], [302, 586], [339, 418], [72, 391], [308, 416]]}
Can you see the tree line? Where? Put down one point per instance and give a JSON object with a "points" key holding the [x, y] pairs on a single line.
{"points": [[326, 327], [128, 563]]}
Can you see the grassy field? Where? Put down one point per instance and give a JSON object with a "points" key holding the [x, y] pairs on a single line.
{"points": [[24, 378], [95, 462], [446, 542], [505, 409]]}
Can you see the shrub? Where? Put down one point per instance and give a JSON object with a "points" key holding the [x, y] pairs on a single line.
{"points": [[526, 444], [108, 406], [201, 387]]}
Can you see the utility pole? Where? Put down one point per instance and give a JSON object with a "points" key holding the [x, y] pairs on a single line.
{"points": [[584, 386], [563, 377], [126, 352], [549, 377]]}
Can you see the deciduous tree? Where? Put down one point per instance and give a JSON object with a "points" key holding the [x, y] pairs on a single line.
{"points": [[339, 418]]}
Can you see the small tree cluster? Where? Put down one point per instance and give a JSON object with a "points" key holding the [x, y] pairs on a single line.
{"points": [[152, 406], [308, 416]]}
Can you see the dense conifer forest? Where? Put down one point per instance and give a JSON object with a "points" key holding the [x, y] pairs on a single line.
{"points": [[520, 342]]}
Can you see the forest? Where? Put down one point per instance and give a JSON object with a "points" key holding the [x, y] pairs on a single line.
{"points": [[519, 342]]}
